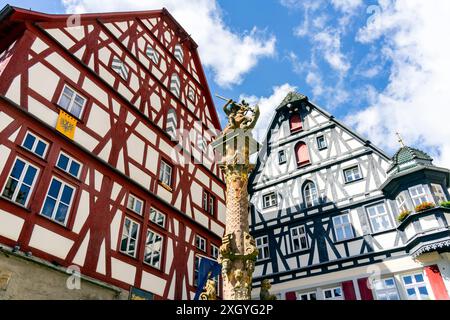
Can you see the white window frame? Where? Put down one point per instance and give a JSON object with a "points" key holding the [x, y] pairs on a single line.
{"points": [[69, 164], [272, 200], [402, 203], [132, 204], [72, 101], [149, 247], [20, 181], [356, 174], [325, 144], [261, 244], [312, 198], [37, 139], [422, 196], [58, 200], [333, 293], [301, 234], [165, 174], [128, 237], [415, 285], [382, 289], [156, 215], [200, 243], [119, 66], [214, 251], [307, 295], [338, 224], [387, 214], [438, 192]]}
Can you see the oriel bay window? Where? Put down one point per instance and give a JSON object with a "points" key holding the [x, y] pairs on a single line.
{"points": [[419, 194], [58, 201], [20, 182]]}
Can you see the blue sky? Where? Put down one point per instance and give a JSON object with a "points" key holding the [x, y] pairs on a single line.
{"points": [[381, 66]]}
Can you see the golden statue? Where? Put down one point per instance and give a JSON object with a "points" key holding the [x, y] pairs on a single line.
{"points": [[209, 291], [238, 117], [265, 294]]}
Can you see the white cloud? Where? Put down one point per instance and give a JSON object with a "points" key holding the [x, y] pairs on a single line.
{"points": [[328, 42], [267, 106], [228, 54], [416, 101], [346, 6]]}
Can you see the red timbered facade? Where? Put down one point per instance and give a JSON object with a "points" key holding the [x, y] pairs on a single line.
{"points": [[121, 194]]}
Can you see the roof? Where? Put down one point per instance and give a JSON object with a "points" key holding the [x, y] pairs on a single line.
{"points": [[292, 97], [408, 157]]}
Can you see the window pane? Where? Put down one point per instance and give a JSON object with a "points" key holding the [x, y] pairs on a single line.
{"points": [[328, 294], [22, 196], [389, 282], [10, 188], [61, 213], [337, 292], [49, 205], [76, 110], [411, 293], [67, 194], [63, 162], [29, 141], [339, 234], [54, 188], [423, 292], [64, 102], [138, 207], [40, 148], [407, 280], [74, 168], [18, 168], [419, 277]]}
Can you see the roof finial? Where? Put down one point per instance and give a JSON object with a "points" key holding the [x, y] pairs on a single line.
{"points": [[400, 140]]}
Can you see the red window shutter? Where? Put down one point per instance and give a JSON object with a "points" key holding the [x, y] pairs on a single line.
{"points": [[291, 295], [302, 154], [349, 290], [366, 292], [296, 122], [436, 282]]}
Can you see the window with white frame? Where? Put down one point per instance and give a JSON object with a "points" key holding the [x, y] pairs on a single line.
{"points": [[333, 294], [130, 234], [21, 182], [299, 239], [35, 144], [209, 202], [200, 243], [385, 289], [379, 217], [419, 194], [352, 174], [120, 68], [152, 54], [401, 203], [165, 173], [158, 217], [262, 244], [438, 192], [270, 200], [69, 164], [178, 52], [58, 201], [175, 85], [321, 143], [307, 296], [153, 249], [281, 156], [135, 204], [343, 229], [72, 102], [310, 194], [415, 287], [214, 251]]}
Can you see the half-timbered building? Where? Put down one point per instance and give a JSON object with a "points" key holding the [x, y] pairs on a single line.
{"points": [[105, 121], [335, 218]]}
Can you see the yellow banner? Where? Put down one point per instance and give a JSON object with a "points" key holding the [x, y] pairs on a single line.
{"points": [[66, 124]]}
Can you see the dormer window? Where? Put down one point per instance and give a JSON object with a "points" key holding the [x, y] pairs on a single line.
{"points": [[295, 123]]}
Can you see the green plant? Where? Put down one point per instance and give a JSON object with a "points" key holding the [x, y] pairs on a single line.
{"points": [[445, 204], [425, 206], [403, 215]]}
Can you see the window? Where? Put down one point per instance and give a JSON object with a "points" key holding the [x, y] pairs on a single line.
{"points": [[196, 269], [343, 229], [302, 154], [321, 143], [333, 294], [352, 174], [401, 203], [153, 249], [120, 67], [385, 289], [282, 157], [20, 183], [178, 53], [419, 194], [35, 144], [165, 174], [175, 85], [209, 203], [270, 200], [310, 195], [438, 193], [295, 123], [130, 233], [214, 251], [262, 243], [135, 204], [72, 102], [200, 243], [415, 287], [309, 296], [69, 165], [58, 201], [191, 94], [298, 239], [158, 217], [171, 124], [379, 218], [152, 54]]}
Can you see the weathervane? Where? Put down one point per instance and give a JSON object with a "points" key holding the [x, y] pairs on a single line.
{"points": [[400, 140]]}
